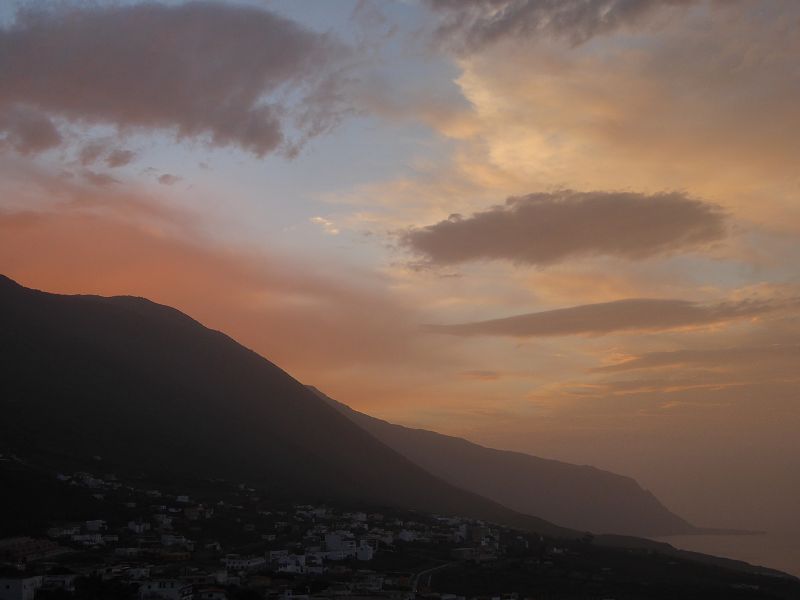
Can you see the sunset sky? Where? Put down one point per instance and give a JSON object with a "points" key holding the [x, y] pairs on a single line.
{"points": [[567, 227]]}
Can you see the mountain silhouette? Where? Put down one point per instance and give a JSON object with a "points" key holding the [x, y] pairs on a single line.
{"points": [[581, 497], [147, 388]]}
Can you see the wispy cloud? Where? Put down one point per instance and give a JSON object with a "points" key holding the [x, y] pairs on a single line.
{"points": [[618, 316], [710, 358], [471, 24], [168, 179], [328, 227]]}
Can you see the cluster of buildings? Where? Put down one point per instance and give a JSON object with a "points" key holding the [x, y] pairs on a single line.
{"points": [[153, 544]]}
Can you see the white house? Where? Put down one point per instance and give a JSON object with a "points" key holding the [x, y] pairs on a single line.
{"points": [[95, 525], [292, 563], [341, 543], [365, 551], [236, 562], [169, 539], [64, 530], [276, 555], [137, 573], [406, 536], [64, 582], [138, 527]]}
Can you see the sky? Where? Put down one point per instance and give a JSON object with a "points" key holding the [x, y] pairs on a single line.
{"points": [[568, 228]]}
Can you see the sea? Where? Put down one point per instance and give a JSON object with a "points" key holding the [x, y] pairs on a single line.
{"points": [[779, 551]]}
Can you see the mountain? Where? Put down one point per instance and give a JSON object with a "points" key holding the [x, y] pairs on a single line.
{"points": [[144, 388], [580, 497]]}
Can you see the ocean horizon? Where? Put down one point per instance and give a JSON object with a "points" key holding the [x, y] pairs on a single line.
{"points": [[775, 550]]}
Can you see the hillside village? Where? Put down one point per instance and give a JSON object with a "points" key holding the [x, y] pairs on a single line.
{"points": [[137, 538], [173, 546]]}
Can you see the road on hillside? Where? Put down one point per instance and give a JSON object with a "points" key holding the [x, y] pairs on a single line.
{"points": [[425, 576]]}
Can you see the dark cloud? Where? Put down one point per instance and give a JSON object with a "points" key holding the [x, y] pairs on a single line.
{"points": [[99, 179], [610, 317], [233, 75], [26, 130], [471, 24], [90, 152], [168, 179], [119, 157], [547, 228]]}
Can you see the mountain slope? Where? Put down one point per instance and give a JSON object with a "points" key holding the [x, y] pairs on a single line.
{"points": [[147, 388], [581, 497]]}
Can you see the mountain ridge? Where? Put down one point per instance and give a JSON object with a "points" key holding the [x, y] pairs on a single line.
{"points": [[147, 386], [579, 496]]}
